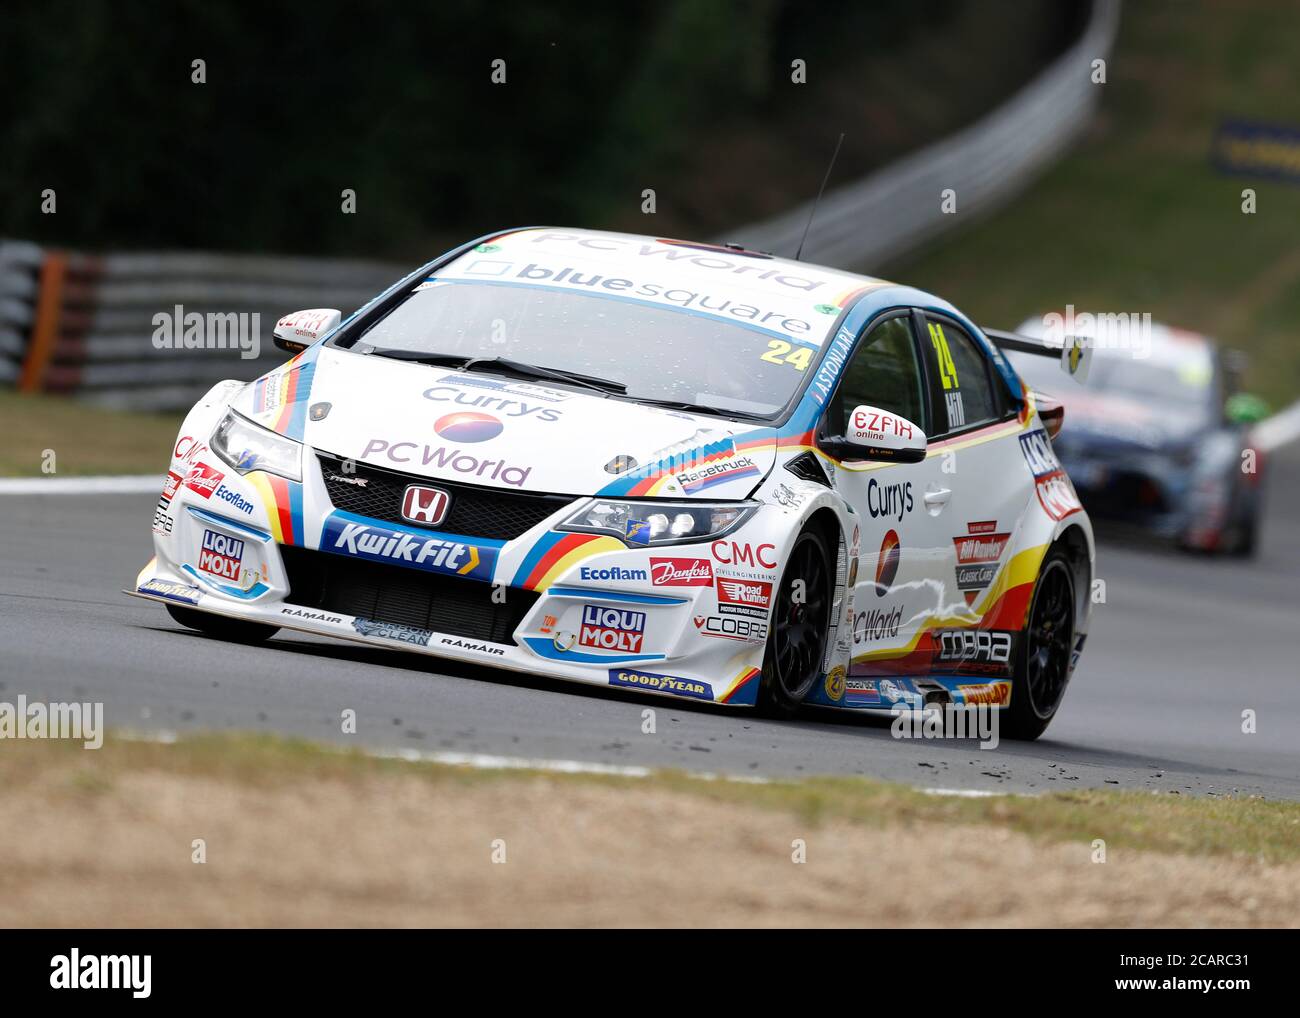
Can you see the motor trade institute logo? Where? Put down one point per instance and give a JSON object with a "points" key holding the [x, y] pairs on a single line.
{"points": [[887, 564], [978, 552], [466, 426], [681, 572], [744, 597], [426, 506]]}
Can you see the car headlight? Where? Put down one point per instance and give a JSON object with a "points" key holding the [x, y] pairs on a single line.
{"points": [[638, 524], [244, 447]]}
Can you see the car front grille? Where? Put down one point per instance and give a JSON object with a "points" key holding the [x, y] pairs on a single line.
{"points": [[396, 594], [473, 512]]}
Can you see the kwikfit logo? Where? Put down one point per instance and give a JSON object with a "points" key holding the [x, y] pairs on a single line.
{"points": [[359, 539]]}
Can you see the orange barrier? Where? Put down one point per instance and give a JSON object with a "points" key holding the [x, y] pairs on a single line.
{"points": [[45, 328]]}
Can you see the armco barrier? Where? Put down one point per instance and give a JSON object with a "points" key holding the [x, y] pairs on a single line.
{"points": [[91, 324], [864, 224], [80, 324]]}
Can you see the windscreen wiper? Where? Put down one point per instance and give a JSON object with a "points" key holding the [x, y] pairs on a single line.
{"points": [[537, 371], [442, 360], [523, 370]]}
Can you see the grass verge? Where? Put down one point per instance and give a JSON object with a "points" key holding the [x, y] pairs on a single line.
{"points": [[83, 439], [296, 834]]}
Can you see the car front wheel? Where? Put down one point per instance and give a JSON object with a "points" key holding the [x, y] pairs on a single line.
{"points": [[221, 627], [796, 639]]}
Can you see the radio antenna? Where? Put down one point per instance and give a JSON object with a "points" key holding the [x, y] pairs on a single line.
{"points": [[816, 201]]}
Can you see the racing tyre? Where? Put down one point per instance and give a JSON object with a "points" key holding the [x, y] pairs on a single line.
{"points": [[220, 627], [796, 639], [1043, 667], [1245, 535]]}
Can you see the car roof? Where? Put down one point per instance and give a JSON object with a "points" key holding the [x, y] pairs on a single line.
{"points": [[795, 300]]}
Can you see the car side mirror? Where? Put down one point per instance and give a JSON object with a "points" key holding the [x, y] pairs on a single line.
{"points": [[301, 329], [878, 435]]}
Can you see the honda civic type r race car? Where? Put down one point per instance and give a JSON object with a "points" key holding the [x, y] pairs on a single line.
{"points": [[677, 468]]}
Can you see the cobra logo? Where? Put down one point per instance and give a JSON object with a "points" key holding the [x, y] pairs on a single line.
{"points": [[467, 426], [887, 564]]}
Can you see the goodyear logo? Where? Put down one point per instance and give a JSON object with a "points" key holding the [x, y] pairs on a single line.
{"points": [[632, 679]]}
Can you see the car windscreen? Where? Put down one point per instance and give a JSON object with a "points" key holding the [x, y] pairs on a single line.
{"points": [[659, 354]]}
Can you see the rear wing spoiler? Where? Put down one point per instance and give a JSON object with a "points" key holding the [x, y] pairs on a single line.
{"points": [[1075, 354]]}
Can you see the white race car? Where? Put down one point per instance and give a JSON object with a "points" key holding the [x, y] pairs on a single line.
{"points": [[678, 468]]}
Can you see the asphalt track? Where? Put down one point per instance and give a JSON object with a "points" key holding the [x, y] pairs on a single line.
{"points": [[1182, 646]]}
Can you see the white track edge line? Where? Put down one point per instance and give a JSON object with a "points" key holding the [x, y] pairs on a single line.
{"points": [[134, 484]]}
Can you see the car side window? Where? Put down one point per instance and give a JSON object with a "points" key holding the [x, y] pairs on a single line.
{"points": [[883, 373], [959, 374]]}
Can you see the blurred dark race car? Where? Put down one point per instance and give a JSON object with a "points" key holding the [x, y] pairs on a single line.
{"points": [[1159, 437]]}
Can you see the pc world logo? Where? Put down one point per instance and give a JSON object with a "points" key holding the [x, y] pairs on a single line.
{"points": [[427, 506]]}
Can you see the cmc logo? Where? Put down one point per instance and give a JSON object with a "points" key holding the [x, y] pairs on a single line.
{"points": [[467, 426], [424, 505], [887, 564], [729, 553]]}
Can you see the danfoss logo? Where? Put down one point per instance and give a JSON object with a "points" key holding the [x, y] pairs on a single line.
{"points": [[681, 572]]}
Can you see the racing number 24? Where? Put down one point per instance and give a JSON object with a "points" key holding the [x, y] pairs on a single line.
{"points": [[781, 352]]}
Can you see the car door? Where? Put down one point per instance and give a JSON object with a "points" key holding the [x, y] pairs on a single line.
{"points": [[905, 541], [977, 466]]}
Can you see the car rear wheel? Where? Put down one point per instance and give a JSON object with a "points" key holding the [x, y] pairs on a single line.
{"points": [[221, 627], [1043, 668], [796, 639]]}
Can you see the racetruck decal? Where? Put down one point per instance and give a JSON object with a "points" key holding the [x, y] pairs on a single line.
{"points": [[694, 468], [447, 554]]}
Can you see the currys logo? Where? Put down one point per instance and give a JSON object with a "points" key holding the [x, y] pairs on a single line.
{"points": [[467, 426]]}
